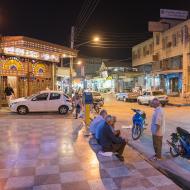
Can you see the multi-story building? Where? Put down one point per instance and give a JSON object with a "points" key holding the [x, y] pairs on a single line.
{"points": [[29, 65], [165, 60]]}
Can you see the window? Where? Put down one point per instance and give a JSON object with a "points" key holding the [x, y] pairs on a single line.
{"points": [[157, 39], [55, 96], [41, 97], [174, 40]]}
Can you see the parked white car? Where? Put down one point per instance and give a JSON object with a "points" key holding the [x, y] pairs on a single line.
{"points": [[45, 101], [148, 96], [121, 96]]}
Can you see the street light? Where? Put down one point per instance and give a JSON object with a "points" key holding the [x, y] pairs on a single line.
{"points": [[95, 39]]}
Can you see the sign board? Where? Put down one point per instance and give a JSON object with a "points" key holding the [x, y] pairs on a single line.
{"points": [[87, 98], [175, 14], [157, 26]]}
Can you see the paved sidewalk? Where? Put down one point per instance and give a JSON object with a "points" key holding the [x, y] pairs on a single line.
{"points": [[52, 154], [177, 168]]}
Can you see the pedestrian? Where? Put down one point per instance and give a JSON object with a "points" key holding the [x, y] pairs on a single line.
{"points": [[78, 104], [9, 92], [108, 140], [157, 128], [100, 118]]}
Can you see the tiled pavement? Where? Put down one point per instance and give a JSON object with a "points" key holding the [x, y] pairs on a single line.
{"points": [[49, 154]]}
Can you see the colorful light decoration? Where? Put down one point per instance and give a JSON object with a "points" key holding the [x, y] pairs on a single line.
{"points": [[30, 54]]}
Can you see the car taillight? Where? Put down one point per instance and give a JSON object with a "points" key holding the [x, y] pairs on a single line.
{"points": [[69, 100]]}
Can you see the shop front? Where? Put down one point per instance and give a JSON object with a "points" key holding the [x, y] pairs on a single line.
{"points": [[172, 83], [28, 65]]}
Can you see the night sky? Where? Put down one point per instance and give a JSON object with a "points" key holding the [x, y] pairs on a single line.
{"points": [[120, 23]]}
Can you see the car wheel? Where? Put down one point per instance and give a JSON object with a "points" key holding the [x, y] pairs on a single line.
{"points": [[125, 99], [63, 110], [139, 102], [22, 110], [163, 104], [150, 103]]}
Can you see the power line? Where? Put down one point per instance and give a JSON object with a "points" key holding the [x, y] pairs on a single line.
{"points": [[89, 13], [82, 13]]}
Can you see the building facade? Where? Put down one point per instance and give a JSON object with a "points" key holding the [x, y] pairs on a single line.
{"points": [[29, 65], [164, 60]]}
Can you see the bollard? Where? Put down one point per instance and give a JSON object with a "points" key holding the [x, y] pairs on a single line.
{"points": [[87, 100]]}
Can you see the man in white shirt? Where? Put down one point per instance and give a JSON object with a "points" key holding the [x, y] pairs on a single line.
{"points": [[157, 128], [96, 120]]}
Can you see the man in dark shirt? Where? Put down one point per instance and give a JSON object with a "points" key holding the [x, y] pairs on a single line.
{"points": [[9, 92], [110, 142]]}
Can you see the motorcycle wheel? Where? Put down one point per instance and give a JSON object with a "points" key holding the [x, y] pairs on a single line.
{"points": [[136, 132]]}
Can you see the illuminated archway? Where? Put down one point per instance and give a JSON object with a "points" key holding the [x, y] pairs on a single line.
{"points": [[13, 64], [39, 69]]}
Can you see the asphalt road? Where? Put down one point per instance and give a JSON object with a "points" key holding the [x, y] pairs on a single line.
{"points": [[175, 116]]}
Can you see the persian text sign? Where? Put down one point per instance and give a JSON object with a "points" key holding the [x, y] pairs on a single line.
{"points": [[175, 14]]}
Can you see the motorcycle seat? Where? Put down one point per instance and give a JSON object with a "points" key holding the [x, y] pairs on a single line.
{"points": [[183, 132]]}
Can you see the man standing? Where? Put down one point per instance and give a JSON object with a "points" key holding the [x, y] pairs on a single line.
{"points": [[157, 128], [9, 92], [108, 140]]}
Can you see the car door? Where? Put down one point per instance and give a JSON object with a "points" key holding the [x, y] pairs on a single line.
{"points": [[143, 98], [39, 102], [147, 97], [54, 101]]}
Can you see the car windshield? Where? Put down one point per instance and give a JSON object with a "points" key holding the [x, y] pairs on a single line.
{"points": [[29, 97], [96, 94], [157, 93]]}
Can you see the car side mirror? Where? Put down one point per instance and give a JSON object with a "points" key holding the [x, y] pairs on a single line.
{"points": [[34, 99]]}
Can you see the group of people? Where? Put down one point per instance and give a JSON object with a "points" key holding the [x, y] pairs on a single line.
{"points": [[103, 130]]}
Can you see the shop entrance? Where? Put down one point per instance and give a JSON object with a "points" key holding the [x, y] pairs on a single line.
{"points": [[12, 80], [173, 84]]}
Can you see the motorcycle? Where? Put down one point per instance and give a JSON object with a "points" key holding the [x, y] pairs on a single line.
{"points": [[96, 107], [180, 143], [139, 122]]}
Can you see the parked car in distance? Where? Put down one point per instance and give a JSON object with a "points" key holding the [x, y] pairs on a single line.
{"points": [[121, 96], [97, 98], [148, 96], [131, 96], [44, 101]]}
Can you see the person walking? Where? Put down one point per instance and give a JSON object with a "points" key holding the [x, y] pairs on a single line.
{"points": [[9, 92], [157, 128], [78, 104]]}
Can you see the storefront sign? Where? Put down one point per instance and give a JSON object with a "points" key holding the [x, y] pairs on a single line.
{"points": [[31, 54], [175, 14]]}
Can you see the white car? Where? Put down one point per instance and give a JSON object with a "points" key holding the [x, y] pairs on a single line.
{"points": [[148, 96], [45, 101]]}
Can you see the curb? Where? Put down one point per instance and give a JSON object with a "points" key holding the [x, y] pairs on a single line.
{"points": [[183, 183], [178, 105]]}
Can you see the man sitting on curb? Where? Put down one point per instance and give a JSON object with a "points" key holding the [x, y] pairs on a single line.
{"points": [[99, 119], [108, 140]]}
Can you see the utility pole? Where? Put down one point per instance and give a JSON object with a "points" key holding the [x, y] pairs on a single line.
{"points": [[71, 59], [1, 77]]}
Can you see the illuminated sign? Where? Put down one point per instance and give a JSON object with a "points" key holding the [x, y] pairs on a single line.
{"points": [[31, 54]]}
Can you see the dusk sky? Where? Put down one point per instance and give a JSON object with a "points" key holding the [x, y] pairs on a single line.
{"points": [[120, 24]]}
